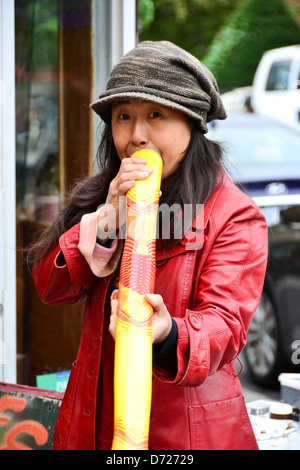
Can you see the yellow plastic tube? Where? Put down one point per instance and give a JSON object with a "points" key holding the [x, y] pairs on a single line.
{"points": [[133, 344]]}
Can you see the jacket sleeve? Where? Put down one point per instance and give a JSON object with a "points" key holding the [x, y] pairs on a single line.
{"points": [[67, 272], [228, 292], [63, 275]]}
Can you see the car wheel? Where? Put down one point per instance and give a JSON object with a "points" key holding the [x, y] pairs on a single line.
{"points": [[263, 353]]}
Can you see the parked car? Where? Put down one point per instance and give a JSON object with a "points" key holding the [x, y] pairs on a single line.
{"points": [[276, 84], [263, 158]]}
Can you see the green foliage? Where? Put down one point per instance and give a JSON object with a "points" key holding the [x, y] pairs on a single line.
{"points": [[33, 35], [145, 13], [254, 27], [191, 24]]}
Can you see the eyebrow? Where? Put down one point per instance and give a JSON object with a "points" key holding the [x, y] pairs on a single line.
{"points": [[121, 102]]}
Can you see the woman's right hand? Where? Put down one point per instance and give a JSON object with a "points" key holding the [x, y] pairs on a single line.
{"points": [[112, 214]]}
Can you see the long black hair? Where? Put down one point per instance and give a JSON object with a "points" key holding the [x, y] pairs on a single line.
{"points": [[193, 183]]}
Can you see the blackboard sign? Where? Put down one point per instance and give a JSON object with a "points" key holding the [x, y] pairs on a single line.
{"points": [[27, 417]]}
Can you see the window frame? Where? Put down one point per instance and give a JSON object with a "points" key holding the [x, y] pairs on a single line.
{"points": [[8, 327], [116, 45]]}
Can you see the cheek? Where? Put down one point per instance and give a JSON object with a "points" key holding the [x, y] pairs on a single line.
{"points": [[175, 152], [180, 137], [171, 161], [185, 139], [118, 142], [179, 144]]}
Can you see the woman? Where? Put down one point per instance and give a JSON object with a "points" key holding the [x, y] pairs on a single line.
{"points": [[206, 291]]}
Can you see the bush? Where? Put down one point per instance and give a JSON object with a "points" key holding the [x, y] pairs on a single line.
{"points": [[253, 28], [191, 24]]}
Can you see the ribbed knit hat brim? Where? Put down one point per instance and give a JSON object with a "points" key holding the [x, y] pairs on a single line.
{"points": [[166, 74]]}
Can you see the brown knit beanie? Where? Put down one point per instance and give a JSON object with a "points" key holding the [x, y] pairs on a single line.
{"points": [[164, 73]]}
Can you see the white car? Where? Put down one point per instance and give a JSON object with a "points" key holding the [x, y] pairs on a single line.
{"points": [[276, 85]]}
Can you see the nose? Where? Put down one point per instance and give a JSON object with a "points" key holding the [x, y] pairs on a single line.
{"points": [[139, 134]]}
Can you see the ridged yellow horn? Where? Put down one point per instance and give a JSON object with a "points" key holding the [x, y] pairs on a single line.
{"points": [[133, 344]]}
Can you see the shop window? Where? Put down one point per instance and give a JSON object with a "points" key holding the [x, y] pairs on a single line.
{"points": [[53, 151]]}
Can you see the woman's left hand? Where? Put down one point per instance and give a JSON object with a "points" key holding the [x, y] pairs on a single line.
{"points": [[161, 322]]}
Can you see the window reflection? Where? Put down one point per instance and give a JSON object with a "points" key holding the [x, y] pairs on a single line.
{"points": [[54, 149], [37, 108]]}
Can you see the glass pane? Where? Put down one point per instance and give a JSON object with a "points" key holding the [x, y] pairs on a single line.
{"points": [[279, 75], [53, 141], [37, 109], [257, 144]]}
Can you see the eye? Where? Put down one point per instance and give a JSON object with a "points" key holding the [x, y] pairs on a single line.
{"points": [[123, 117], [155, 115]]}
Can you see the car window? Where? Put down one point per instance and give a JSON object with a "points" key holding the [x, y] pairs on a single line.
{"points": [[279, 75], [272, 215], [257, 144]]}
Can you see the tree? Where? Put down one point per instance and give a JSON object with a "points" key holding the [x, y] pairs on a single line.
{"points": [[191, 24], [254, 27]]}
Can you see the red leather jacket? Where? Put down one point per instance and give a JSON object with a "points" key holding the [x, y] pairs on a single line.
{"points": [[212, 293]]}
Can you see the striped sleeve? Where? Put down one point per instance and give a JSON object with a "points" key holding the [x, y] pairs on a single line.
{"points": [[102, 260]]}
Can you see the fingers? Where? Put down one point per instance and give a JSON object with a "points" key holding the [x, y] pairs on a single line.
{"points": [[132, 169], [162, 321], [156, 301]]}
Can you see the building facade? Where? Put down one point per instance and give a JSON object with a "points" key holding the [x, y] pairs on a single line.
{"points": [[56, 56]]}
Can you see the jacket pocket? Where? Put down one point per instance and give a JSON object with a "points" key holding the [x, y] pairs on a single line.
{"points": [[65, 413], [221, 425]]}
